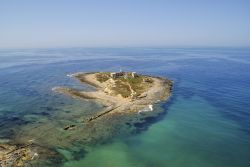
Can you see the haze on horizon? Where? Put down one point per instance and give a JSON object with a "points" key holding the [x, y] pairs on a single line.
{"points": [[129, 23]]}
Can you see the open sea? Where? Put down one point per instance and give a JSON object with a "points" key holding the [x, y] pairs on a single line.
{"points": [[205, 123]]}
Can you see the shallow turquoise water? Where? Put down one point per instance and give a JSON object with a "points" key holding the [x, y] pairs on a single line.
{"points": [[193, 134], [206, 122]]}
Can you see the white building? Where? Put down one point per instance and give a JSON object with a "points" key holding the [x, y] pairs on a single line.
{"points": [[134, 74]]}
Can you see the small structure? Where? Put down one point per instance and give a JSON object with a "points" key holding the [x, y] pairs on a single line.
{"points": [[123, 74], [113, 75], [126, 76], [134, 74], [117, 74]]}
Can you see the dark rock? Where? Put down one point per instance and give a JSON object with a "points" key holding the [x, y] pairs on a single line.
{"points": [[69, 127]]}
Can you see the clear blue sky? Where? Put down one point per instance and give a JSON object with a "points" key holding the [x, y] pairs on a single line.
{"points": [[124, 23]]}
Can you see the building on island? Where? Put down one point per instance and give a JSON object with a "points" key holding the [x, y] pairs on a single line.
{"points": [[123, 74], [134, 74], [117, 74]]}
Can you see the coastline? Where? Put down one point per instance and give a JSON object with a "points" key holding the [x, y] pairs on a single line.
{"points": [[160, 90], [118, 114]]}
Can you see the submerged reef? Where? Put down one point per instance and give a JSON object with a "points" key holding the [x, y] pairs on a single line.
{"points": [[125, 100]]}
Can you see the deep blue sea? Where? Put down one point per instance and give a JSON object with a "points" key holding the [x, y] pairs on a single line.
{"points": [[206, 121]]}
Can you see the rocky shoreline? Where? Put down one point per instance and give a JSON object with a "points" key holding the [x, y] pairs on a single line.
{"points": [[158, 90], [126, 102]]}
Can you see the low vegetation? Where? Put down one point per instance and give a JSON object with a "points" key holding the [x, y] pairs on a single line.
{"points": [[102, 76], [126, 86], [121, 88], [139, 84]]}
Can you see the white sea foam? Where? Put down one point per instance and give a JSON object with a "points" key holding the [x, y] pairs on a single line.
{"points": [[55, 88], [70, 75], [146, 109], [150, 107]]}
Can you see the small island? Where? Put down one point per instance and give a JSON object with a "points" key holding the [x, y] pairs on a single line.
{"points": [[120, 91]]}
